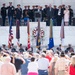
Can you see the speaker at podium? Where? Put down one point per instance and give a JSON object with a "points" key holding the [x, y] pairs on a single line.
{"points": [[38, 15]]}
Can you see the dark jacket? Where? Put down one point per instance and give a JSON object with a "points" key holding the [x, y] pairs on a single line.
{"points": [[18, 13], [55, 13], [3, 11], [50, 13], [10, 10]]}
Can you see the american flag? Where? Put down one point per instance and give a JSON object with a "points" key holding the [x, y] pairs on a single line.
{"points": [[10, 35]]}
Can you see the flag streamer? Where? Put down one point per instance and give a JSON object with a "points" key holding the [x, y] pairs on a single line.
{"points": [[51, 40], [10, 35], [38, 41], [28, 31], [62, 33], [18, 32]]}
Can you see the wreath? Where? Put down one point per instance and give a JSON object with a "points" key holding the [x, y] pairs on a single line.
{"points": [[35, 31]]}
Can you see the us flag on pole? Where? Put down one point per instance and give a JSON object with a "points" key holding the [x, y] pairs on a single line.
{"points": [[10, 35]]}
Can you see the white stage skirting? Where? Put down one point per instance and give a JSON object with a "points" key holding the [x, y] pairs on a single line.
{"points": [[69, 35]]}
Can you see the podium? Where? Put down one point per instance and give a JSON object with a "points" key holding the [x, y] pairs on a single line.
{"points": [[37, 15]]}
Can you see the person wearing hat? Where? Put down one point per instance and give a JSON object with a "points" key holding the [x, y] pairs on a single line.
{"points": [[24, 11], [25, 15], [29, 13], [33, 10], [18, 12], [10, 13], [3, 14], [28, 8], [45, 13]]}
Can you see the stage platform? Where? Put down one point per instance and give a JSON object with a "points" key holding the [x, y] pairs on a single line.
{"points": [[69, 35]]}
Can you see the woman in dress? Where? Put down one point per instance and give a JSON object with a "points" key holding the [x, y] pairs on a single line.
{"points": [[66, 16]]}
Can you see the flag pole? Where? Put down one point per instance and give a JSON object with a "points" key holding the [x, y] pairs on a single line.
{"points": [[62, 35], [51, 40], [18, 33], [28, 31], [38, 41]]}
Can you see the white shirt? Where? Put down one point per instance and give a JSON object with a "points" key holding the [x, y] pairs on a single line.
{"points": [[59, 12], [43, 63], [33, 67]]}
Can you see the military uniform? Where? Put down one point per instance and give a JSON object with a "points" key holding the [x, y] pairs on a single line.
{"points": [[3, 14]]}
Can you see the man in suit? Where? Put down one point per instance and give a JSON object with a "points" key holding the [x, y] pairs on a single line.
{"points": [[29, 13], [50, 14], [25, 15], [10, 12], [38, 14], [33, 12], [71, 14], [45, 13], [3, 14], [25, 12], [55, 15], [59, 16], [62, 10]]}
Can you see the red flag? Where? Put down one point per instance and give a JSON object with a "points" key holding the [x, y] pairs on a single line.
{"points": [[10, 36], [28, 31]]}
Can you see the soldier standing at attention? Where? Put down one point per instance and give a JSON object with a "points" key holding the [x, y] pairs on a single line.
{"points": [[3, 14], [10, 12]]}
